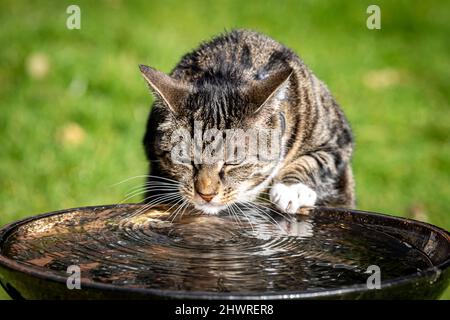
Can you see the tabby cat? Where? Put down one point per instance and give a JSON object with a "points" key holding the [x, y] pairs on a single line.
{"points": [[246, 80]]}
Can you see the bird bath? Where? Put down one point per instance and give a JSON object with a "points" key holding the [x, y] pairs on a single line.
{"points": [[123, 251]]}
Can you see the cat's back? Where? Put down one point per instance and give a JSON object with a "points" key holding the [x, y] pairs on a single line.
{"points": [[244, 52]]}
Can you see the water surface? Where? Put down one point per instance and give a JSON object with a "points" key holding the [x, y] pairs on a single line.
{"points": [[212, 253]]}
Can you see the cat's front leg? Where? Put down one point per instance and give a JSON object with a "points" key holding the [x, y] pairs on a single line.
{"points": [[290, 197]]}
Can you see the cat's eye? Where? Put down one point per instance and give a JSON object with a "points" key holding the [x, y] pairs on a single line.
{"points": [[234, 164], [222, 173], [229, 168]]}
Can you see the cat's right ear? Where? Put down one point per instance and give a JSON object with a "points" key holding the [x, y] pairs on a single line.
{"points": [[262, 91], [173, 92]]}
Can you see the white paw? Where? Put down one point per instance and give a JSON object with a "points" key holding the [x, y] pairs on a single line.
{"points": [[289, 198]]}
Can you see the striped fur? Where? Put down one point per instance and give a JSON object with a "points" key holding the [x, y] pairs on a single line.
{"points": [[218, 78]]}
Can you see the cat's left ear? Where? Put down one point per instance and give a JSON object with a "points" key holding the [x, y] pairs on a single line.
{"points": [[262, 91], [170, 90]]}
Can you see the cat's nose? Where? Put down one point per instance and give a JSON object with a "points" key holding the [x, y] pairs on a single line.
{"points": [[207, 197], [207, 183]]}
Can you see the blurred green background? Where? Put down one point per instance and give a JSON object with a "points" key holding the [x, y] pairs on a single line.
{"points": [[73, 104]]}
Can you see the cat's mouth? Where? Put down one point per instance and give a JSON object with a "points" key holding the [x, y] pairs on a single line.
{"points": [[210, 208]]}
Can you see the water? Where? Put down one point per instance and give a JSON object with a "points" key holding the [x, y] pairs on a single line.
{"points": [[212, 253]]}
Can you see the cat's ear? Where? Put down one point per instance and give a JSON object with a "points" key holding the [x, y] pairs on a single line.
{"points": [[261, 91], [170, 90]]}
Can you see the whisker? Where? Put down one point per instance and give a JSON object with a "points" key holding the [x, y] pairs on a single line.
{"points": [[153, 188], [157, 201], [264, 214], [154, 184], [160, 183], [184, 210], [146, 176], [282, 214], [178, 210], [246, 216], [180, 199], [133, 194], [128, 179], [235, 216]]}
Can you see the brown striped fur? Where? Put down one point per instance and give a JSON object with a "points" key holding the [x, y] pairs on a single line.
{"points": [[218, 84]]}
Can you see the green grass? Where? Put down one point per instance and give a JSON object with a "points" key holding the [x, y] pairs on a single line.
{"points": [[392, 84]]}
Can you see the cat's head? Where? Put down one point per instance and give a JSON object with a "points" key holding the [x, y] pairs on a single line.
{"points": [[222, 138]]}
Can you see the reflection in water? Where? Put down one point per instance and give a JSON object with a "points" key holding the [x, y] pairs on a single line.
{"points": [[212, 253]]}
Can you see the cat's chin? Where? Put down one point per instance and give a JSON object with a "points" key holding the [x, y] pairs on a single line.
{"points": [[210, 208]]}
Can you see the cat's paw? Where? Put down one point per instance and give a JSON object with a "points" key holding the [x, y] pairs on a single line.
{"points": [[289, 198]]}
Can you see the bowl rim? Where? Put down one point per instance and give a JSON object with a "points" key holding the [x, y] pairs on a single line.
{"points": [[14, 265]]}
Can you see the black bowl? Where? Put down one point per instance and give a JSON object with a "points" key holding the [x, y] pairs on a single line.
{"points": [[25, 273]]}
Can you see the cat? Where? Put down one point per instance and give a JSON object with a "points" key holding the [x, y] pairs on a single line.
{"points": [[246, 80]]}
